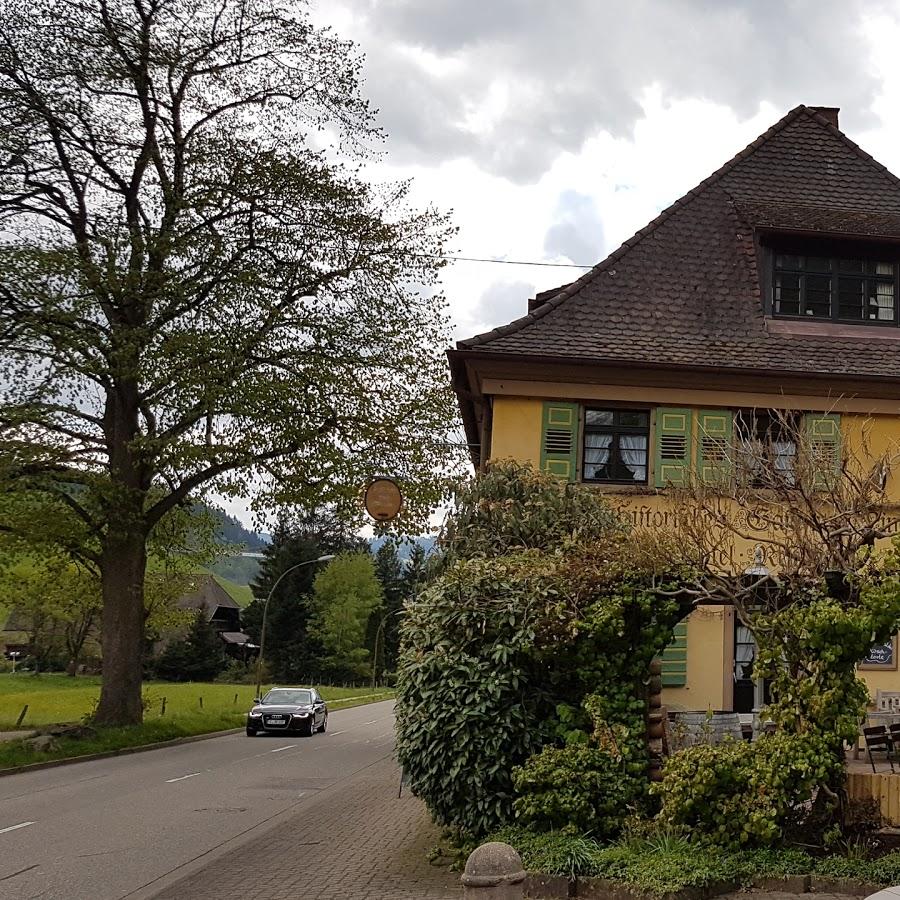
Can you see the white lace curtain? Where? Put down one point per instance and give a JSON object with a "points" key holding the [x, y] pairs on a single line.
{"points": [[632, 451]]}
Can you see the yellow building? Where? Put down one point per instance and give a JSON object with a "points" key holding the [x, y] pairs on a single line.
{"points": [[773, 286]]}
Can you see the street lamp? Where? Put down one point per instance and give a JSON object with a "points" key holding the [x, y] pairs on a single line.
{"points": [[262, 631], [378, 635]]}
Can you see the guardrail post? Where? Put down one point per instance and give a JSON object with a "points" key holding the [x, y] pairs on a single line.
{"points": [[494, 871]]}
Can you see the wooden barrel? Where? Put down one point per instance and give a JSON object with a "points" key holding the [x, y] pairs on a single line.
{"points": [[694, 727], [727, 725]]}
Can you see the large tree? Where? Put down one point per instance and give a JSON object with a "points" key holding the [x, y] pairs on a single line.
{"points": [[198, 290]]}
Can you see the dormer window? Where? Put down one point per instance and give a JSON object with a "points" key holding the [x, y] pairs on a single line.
{"points": [[838, 288]]}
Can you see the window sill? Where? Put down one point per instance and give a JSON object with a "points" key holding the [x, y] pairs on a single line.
{"points": [[803, 328], [611, 487]]}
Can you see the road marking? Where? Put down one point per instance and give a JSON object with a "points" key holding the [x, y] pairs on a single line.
{"points": [[172, 780], [14, 827], [289, 747], [336, 733], [370, 723]]}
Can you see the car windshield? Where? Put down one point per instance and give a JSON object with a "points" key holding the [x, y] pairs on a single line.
{"points": [[292, 698]]}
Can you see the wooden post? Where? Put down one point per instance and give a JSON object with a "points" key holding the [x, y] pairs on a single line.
{"points": [[21, 715], [235, 699], [162, 707], [201, 703]]}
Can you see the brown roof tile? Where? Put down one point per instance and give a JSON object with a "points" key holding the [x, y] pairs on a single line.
{"points": [[685, 289]]}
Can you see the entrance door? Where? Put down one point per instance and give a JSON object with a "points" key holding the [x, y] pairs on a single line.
{"points": [[744, 657], [750, 693]]}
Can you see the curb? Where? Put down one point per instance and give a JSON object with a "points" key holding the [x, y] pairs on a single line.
{"points": [[122, 751], [557, 887]]}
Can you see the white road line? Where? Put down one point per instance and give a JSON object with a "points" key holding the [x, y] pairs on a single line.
{"points": [[370, 723], [289, 747], [14, 827], [336, 733], [172, 780]]}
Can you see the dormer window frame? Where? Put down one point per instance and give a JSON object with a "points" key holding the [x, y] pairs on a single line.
{"points": [[834, 252]]}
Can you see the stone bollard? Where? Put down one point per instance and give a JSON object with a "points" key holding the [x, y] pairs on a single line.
{"points": [[494, 872]]}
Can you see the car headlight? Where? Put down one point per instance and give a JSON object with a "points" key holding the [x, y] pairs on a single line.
{"points": [[255, 715], [301, 715]]}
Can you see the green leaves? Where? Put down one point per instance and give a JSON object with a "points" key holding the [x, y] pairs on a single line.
{"points": [[538, 629], [742, 794]]}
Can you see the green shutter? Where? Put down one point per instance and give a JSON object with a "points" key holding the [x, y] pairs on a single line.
{"points": [[559, 440], [714, 446], [672, 446], [674, 658], [822, 433]]}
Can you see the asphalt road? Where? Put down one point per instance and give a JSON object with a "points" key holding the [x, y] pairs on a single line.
{"points": [[127, 826]]}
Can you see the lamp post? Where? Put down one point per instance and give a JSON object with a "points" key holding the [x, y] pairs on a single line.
{"points": [[378, 635], [262, 630]]}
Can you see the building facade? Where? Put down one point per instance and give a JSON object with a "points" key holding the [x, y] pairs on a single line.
{"points": [[769, 293]]}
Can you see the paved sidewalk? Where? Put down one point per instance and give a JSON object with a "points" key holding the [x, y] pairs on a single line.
{"points": [[353, 841]]}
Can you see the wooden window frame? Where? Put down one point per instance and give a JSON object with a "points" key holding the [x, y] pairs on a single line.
{"points": [[616, 431], [834, 254]]}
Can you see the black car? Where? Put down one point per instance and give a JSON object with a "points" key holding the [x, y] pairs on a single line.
{"points": [[288, 710]]}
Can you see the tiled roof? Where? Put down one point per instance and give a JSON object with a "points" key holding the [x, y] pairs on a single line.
{"points": [[822, 219], [685, 289], [207, 594]]}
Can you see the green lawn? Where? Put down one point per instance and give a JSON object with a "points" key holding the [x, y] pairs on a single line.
{"points": [[58, 698]]}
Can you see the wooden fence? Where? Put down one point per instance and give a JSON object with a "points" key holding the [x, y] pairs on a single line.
{"points": [[882, 787]]}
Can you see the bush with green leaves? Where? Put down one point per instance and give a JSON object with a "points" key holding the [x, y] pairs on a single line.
{"points": [[474, 694], [809, 651], [542, 599], [665, 862], [744, 794], [511, 506]]}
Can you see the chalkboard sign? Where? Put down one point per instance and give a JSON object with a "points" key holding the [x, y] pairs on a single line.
{"points": [[881, 656]]}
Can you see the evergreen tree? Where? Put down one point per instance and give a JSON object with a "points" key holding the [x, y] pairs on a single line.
{"points": [[292, 653], [385, 623], [198, 657]]}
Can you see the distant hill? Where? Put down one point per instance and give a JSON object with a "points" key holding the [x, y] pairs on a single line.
{"points": [[231, 531], [404, 550], [238, 569]]}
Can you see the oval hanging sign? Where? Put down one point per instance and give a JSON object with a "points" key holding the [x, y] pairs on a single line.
{"points": [[383, 499]]}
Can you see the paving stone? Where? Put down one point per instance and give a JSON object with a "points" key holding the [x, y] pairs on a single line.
{"points": [[353, 841]]}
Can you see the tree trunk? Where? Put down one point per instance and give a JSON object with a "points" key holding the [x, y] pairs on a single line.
{"points": [[122, 624]]}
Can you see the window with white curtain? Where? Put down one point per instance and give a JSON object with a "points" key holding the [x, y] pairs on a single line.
{"points": [[766, 445], [616, 443]]}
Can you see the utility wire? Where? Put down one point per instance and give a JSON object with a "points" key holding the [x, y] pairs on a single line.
{"points": [[506, 262]]}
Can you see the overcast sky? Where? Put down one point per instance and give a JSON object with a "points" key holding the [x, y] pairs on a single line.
{"points": [[555, 130]]}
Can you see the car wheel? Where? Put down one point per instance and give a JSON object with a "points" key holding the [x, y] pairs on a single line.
{"points": [[311, 727], [324, 724], [251, 732]]}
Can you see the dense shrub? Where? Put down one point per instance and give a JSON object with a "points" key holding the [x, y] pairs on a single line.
{"points": [[475, 693], [542, 599], [743, 794], [512, 507], [589, 787]]}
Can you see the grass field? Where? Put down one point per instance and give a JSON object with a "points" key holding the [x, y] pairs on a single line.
{"points": [[58, 698]]}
